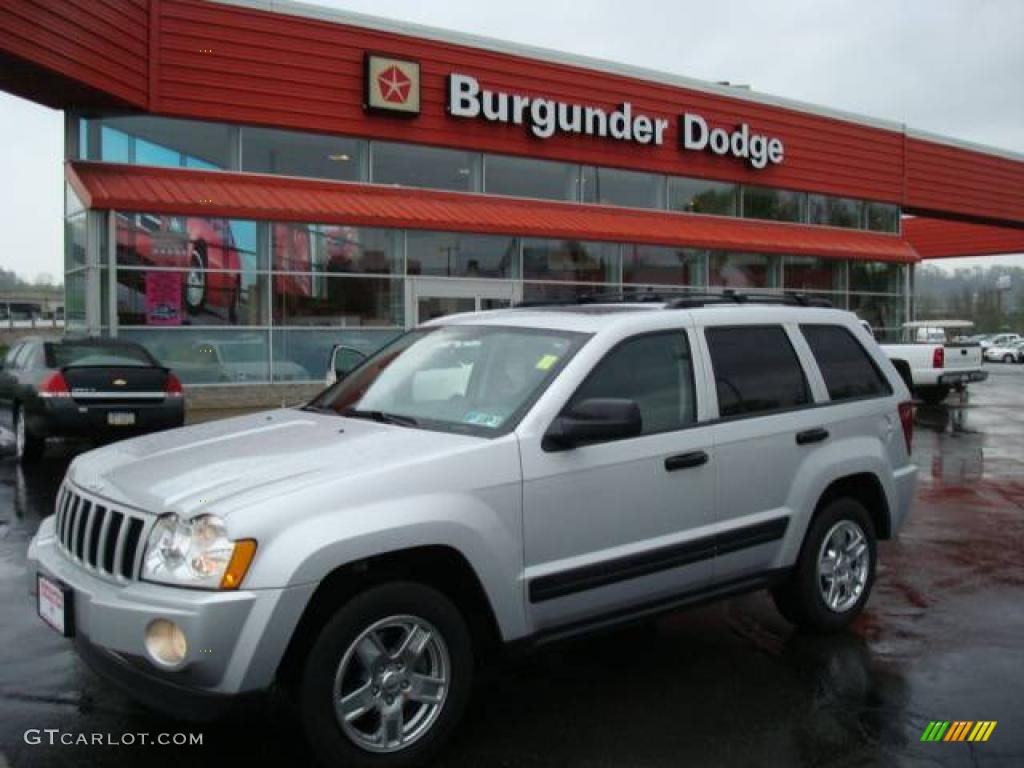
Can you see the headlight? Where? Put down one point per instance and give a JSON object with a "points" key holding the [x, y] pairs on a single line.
{"points": [[195, 553]]}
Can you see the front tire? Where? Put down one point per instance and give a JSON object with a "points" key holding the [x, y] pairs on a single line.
{"points": [[835, 571], [387, 679], [1007, 358], [28, 448]]}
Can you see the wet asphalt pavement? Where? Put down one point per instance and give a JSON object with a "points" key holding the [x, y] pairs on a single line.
{"points": [[727, 685]]}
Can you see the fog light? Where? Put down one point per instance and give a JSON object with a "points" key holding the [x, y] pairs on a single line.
{"points": [[165, 643]]}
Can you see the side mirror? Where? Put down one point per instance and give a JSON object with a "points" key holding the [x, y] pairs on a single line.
{"points": [[344, 360], [595, 420]]}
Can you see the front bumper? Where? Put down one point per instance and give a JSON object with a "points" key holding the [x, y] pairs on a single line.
{"points": [[235, 639]]}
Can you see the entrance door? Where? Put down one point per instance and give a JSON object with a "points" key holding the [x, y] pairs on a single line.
{"points": [[431, 298]]}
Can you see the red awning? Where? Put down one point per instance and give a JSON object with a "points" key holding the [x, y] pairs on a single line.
{"points": [[940, 238], [281, 198]]}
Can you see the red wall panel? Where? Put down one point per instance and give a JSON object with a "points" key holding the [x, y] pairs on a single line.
{"points": [[100, 44], [939, 239], [949, 179]]}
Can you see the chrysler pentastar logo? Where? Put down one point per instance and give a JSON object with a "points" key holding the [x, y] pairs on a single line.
{"points": [[392, 85]]}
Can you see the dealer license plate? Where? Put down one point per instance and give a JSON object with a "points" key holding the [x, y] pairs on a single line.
{"points": [[54, 604], [120, 419]]}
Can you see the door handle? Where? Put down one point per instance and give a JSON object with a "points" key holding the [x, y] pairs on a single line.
{"points": [[809, 436], [686, 461]]}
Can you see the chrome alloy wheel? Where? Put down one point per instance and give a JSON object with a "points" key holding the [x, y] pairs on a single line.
{"points": [[391, 684], [843, 566]]}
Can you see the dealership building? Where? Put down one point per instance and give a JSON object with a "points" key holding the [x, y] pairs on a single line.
{"points": [[250, 183]]}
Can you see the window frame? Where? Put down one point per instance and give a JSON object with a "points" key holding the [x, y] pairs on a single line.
{"points": [[812, 402], [887, 384], [691, 347]]}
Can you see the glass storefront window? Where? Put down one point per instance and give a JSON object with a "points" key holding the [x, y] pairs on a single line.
{"points": [[876, 277], [186, 242], [612, 186], [565, 291], [304, 354], [663, 265], [75, 241], [292, 153], [700, 196], [729, 269], [525, 177], [883, 217], [75, 287], [570, 261], [835, 211], [208, 356], [411, 165], [773, 204], [335, 248], [317, 299], [160, 297], [450, 254], [882, 312], [161, 141], [810, 273]]}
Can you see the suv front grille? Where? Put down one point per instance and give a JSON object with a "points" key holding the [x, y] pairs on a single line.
{"points": [[105, 539]]}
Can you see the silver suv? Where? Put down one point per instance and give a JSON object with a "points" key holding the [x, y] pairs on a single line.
{"points": [[514, 475]]}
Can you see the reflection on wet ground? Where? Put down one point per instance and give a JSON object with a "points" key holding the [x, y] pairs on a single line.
{"points": [[729, 684]]}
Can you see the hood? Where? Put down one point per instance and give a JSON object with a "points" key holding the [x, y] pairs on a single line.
{"points": [[183, 470]]}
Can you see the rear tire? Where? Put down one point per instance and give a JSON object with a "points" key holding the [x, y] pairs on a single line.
{"points": [[28, 447], [1007, 358], [835, 571], [360, 696], [933, 395]]}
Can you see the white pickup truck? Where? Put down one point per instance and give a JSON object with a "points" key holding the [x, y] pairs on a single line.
{"points": [[931, 363]]}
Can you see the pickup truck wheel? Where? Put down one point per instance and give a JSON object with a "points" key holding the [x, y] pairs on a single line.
{"points": [[933, 395], [388, 678], [835, 571]]}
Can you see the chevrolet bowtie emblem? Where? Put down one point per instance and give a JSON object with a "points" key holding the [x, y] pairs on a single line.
{"points": [[119, 383]]}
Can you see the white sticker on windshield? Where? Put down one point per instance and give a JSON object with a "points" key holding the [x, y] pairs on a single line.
{"points": [[481, 419]]}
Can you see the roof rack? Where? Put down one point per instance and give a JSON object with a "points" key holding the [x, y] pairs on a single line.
{"points": [[683, 299]]}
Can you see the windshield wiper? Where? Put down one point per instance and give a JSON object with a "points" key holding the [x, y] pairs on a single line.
{"points": [[380, 416], [318, 409]]}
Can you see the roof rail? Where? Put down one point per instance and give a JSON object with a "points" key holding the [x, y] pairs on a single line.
{"points": [[683, 299]]}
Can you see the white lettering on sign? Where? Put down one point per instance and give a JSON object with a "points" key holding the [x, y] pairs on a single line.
{"points": [[546, 117], [755, 148]]}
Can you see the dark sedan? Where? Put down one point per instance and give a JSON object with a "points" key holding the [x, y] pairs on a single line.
{"points": [[92, 388]]}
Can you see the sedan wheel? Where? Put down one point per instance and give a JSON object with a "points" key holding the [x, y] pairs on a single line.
{"points": [[28, 448], [195, 279], [1007, 358]]}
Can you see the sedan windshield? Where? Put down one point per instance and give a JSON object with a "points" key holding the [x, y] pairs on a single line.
{"points": [[460, 378]]}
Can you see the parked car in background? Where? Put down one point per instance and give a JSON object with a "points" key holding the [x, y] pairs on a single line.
{"points": [[1010, 352], [508, 477], [1000, 340], [92, 388], [931, 363]]}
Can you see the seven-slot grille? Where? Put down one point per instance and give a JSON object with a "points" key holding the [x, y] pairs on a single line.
{"points": [[105, 539]]}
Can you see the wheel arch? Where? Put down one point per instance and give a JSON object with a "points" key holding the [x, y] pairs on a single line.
{"points": [[439, 566], [865, 488]]}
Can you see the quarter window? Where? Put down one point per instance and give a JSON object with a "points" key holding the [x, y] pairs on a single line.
{"points": [[756, 370], [846, 367], [655, 371]]}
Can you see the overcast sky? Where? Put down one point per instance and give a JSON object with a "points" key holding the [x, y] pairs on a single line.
{"points": [[954, 67]]}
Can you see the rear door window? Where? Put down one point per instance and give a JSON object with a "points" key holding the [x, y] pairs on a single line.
{"points": [[756, 370], [848, 370]]}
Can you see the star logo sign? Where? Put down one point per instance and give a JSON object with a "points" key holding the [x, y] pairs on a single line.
{"points": [[394, 85]]}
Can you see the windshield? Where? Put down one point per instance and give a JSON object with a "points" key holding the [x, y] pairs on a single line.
{"points": [[460, 378], [70, 355]]}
